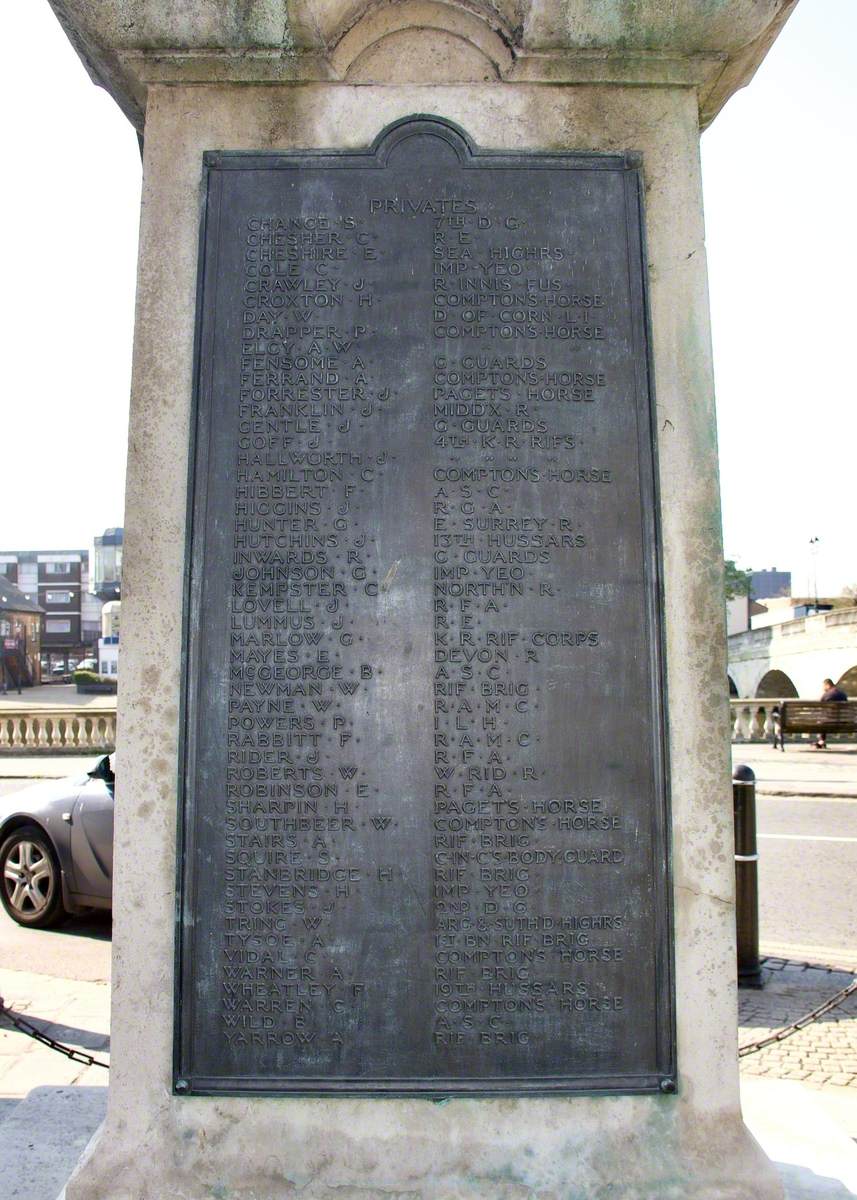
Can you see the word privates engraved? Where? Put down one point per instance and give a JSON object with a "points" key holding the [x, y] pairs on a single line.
{"points": [[424, 845]]}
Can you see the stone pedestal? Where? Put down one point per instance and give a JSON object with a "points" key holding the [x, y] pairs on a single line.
{"points": [[518, 75]]}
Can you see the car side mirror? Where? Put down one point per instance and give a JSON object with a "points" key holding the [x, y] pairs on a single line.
{"points": [[103, 770]]}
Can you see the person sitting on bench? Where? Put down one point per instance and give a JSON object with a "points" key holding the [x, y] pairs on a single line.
{"points": [[831, 694]]}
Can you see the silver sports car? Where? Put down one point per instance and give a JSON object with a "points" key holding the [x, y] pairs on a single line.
{"points": [[56, 847]]}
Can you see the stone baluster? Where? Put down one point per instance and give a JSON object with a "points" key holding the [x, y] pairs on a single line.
{"points": [[78, 731], [742, 720], [19, 731], [67, 731], [752, 720], [106, 732], [757, 722]]}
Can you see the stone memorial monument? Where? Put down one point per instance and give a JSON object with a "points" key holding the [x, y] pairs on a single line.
{"points": [[423, 861]]}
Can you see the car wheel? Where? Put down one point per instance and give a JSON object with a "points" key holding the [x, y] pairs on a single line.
{"points": [[30, 877]]}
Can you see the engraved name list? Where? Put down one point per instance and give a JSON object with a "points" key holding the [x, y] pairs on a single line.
{"points": [[424, 818]]}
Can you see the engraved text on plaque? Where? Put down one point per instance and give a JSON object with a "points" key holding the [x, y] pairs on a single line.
{"points": [[424, 830]]}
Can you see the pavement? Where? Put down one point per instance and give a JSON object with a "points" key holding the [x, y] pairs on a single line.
{"points": [[799, 1095], [70, 1011], [815, 1158], [821, 1055], [54, 695], [800, 770]]}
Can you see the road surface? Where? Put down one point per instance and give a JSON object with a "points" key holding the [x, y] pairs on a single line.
{"points": [[808, 873]]}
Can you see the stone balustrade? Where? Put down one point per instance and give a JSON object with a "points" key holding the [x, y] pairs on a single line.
{"points": [[751, 719], [90, 731], [57, 730]]}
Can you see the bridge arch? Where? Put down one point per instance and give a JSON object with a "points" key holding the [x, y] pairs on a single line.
{"points": [[848, 682], [806, 650], [775, 683]]}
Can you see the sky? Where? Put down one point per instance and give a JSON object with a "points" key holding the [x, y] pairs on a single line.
{"points": [[780, 187], [780, 197]]}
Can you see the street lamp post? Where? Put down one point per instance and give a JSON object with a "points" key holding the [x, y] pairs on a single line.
{"points": [[814, 543]]}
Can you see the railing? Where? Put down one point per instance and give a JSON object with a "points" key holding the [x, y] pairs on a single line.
{"points": [[57, 731], [752, 720], [88, 731]]}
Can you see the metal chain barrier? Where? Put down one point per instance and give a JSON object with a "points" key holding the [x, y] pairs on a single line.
{"points": [[30, 1030], [781, 1034]]}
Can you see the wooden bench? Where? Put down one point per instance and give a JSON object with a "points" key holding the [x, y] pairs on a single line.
{"points": [[815, 716]]}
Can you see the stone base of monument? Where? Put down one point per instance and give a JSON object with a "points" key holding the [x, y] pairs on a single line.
{"points": [[490, 1150], [519, 79]]}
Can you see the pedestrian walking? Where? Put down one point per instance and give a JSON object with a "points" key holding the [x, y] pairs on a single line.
{"points": [[777, 726]]}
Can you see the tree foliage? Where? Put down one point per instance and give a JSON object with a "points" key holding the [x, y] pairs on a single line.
{"points": [[737, 580]]}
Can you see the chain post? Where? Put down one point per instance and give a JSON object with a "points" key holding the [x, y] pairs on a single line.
{"points": [[746, 877]]}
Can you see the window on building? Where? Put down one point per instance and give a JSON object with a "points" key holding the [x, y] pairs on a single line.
{"points": [[58, 568], [57, 625], [59, 597], [5, 628]]}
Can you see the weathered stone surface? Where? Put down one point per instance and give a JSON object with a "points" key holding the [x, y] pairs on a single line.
{"points": [[714, 48], [626, 1148]]}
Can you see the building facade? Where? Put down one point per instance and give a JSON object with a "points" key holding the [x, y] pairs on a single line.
{"points": [[108, 643], [20, 637], [107, 564], [770, 583], [58, 582]]}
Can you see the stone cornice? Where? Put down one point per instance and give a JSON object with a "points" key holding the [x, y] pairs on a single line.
{"points": [[714, 48]]}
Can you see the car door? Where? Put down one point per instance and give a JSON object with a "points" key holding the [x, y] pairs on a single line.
{"points": [[92, 839]]}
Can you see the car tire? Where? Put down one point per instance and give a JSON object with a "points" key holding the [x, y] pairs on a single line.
{"points": [[30, 883]]}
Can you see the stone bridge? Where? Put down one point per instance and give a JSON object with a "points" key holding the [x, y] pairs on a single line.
{"points": [[793, 658]]}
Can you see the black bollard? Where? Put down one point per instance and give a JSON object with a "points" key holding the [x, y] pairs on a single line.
{"points": [[746, 877]]}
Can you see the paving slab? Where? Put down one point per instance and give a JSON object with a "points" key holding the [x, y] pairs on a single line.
{"points": [[814, 1154], [43, 1137], [824, 1053], [73, 1011]]}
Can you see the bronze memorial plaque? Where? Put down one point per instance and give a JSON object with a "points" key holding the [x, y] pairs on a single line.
{"points": [[424, 832]]}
